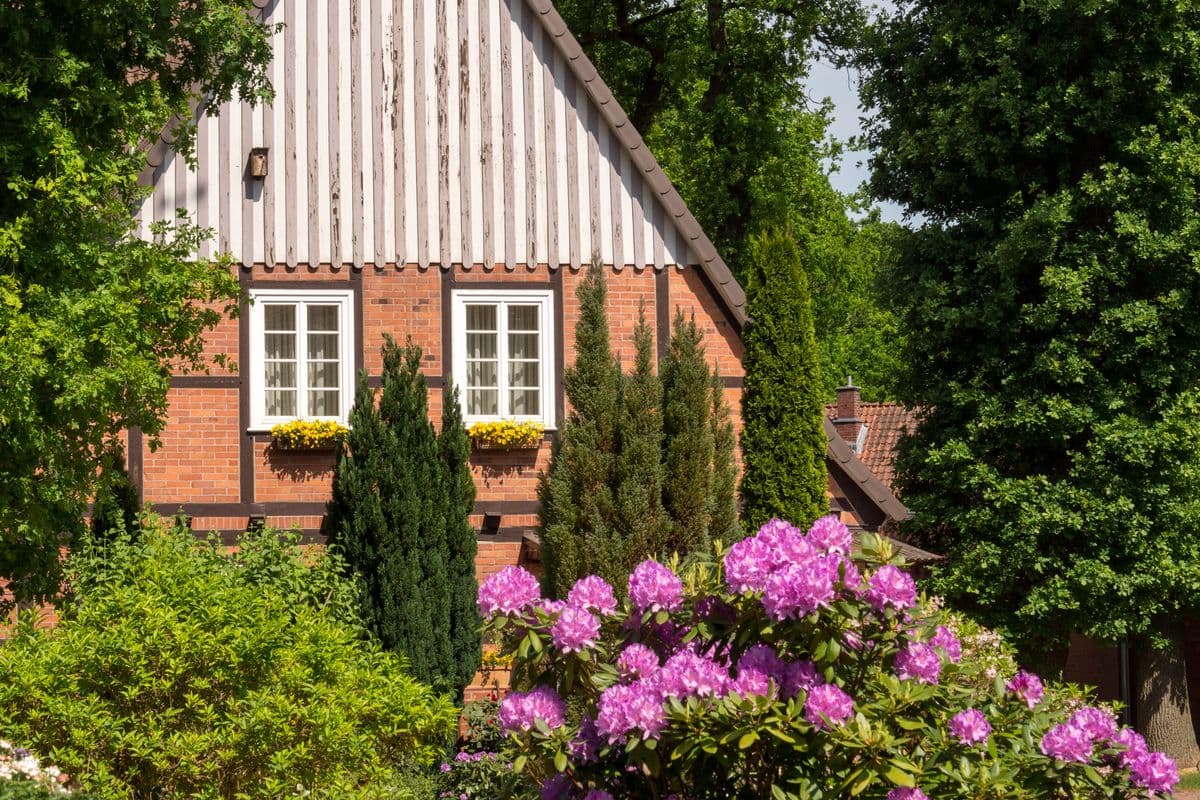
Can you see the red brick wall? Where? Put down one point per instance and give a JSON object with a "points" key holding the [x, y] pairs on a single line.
{"points": [[198, 458]]}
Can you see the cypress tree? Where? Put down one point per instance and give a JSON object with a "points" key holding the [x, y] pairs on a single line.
{"points": [[455, 448], [723, 512], [689, 446], [783, 441], [640, 517], [391, 518], [576, 519]]}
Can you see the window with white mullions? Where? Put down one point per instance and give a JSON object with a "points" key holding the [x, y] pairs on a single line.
{"points": [[301, 356], [502, 358]]}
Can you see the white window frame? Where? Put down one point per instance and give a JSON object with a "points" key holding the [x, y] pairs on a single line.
{"points": [[259, 300], [544, 299]]}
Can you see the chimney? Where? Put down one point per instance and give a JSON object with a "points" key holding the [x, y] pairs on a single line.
{"points": [[847, 422]]}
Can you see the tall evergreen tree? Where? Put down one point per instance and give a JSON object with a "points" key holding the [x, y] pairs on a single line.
{"points": [[689, 448], [392, 517], [783, 441], [577, 502], [640, 517], [1050, 306], [723, 506], [455, 446]]}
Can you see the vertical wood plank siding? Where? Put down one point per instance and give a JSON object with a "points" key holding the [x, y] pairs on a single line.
{"points": [[418, 132]]}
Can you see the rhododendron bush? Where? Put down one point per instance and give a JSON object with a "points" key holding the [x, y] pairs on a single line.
{"points": [[783, 668]]}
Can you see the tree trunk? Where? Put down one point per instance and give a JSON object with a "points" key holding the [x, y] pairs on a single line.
{"points": [[1161, 699]]}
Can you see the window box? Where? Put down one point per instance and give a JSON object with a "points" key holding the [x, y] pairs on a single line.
{"points": [[308, 434], [507, 435]]}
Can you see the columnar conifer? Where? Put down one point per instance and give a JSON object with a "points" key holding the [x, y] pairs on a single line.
{"points": [[783, 442], [465, 622]]}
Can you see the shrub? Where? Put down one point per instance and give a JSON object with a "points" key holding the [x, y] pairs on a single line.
{"points": [[182, 670], [783, 669]]}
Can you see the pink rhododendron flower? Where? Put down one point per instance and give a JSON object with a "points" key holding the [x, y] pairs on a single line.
{"points": [[575, 630], [970, 727], [1067, 742], [637, 661], [1026, 686], [1134, 744], [1154, 771], [687, 674], [901, 793], [796, 591], [593, 594], [585, 747], [947, 641], [653, 587], [758, 670], [800, 675], [597, 794], [747, 566], [844, 574], [556, 787], [890, 586], [1097, 723], [520, 710], [626, 707], [830, 535], [551, 608], [512, 590], [919, 662], [830, 702]]}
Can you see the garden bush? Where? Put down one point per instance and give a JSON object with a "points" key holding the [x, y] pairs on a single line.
{"points": [[784, 669], [180, 669]]}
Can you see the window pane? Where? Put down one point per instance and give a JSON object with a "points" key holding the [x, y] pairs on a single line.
{"points": [[481, 374], [280, 318], [481, 318], [323, 403], [281, 375], [323, 374], [322, 318], [481, 345], [523, 373], [523, 402], [281, 402], [522, 318], [323, 345], [522, 345], [281, 345], [483, 402]]}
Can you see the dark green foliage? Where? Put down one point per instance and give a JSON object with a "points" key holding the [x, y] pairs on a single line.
{"points": [[465, 621], [576, 522], [723, 505], [688, 454], [93, 321], [117, 503], [393, 520], [783, 439], [641, 519]]}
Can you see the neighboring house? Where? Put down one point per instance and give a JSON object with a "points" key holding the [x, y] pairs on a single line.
{"points": [[438, 171]]}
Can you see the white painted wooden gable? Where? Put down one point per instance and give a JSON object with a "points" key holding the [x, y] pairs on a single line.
{"points": [[419, 132]]}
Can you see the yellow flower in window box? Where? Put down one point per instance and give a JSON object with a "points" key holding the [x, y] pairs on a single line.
{"points": [[506, 434], [309, 434]]}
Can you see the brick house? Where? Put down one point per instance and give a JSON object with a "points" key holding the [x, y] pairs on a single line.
{"points": [[439, 170]]}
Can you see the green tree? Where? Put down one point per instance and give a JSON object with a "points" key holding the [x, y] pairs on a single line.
{"points": [[577, 500], [688, 448], [1049, 309], [92, 320], [117, 504], [465, 623], [723, 505], [396, 519], [783, 439], [640, 516]]}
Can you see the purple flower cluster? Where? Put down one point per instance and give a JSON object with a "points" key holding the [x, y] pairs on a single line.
{"points": [[1155, 771], [1133, 743], [827, 705], [1097, 723], [890, 586], [687, 674], [919, 662], [798, 590], [901, 793], [575, 630], [653, 587], [748, 565], [830, 535], [585, 747], [626, 707], [593, 594], [1067, 743], [512, 590], [1075, 739], [970, 727], [521, 710], [637, 661], [597, 794], [945, 639], [1026, 686]]}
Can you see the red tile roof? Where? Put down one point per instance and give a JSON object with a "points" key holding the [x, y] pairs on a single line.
{"points": [[885, 422]]}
